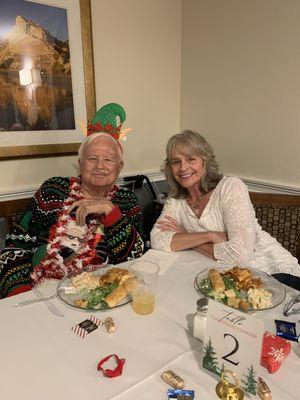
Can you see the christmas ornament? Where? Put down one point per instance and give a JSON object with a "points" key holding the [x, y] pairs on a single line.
{"points": [[227, 390]]}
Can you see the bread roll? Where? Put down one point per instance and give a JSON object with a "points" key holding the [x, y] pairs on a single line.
{"points": [[120, 292], [114, 275], [216, 280]]}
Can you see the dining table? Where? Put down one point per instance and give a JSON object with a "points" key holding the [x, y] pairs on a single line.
{"points": [[42, 357]]}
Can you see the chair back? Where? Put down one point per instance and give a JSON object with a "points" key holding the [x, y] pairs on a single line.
{"points": [[279, 215], [10, 210]]}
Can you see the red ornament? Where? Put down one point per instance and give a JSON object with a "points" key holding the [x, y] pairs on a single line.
{"points": [[274, 351]]}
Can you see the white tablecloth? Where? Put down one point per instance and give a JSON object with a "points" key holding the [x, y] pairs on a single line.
{"points": [[41, 358]]}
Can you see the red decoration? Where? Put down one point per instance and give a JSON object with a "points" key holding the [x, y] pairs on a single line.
{"points": [[112, 373], [108, 128], [274, 351]]}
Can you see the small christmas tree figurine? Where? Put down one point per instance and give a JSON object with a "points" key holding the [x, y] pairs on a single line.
{"points": [[250, 384]]}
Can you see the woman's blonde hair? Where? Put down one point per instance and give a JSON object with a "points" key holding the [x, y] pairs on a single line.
{"points": [[192, 143]]}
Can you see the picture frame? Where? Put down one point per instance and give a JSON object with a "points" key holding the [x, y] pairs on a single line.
{"points": [[84, 64]]}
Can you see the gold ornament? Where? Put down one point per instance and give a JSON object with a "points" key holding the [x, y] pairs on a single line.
{"points": [[229, 391]]}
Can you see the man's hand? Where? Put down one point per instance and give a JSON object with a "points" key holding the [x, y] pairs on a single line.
{"points": [[90, 206]]}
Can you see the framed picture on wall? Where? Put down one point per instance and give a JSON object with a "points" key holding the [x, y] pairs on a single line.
{"points": [[46, 76]]}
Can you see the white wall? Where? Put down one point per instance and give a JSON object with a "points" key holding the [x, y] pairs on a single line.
{"points": [[137, 46], [241, 84]]}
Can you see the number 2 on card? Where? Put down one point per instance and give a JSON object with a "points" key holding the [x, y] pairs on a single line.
{"points": [[236, 347]]}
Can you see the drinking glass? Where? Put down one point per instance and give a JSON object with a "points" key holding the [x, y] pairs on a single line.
{"points": [[143, 295]]}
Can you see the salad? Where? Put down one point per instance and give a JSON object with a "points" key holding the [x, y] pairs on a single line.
{"points": [[95, 298], [236, 288]]}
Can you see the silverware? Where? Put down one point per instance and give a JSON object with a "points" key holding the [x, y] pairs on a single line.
{"points": [[51, 306], [41, 298], [37, 300], [288, 307]]}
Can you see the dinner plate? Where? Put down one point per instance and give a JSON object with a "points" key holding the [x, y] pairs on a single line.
{"points": [[67, 295], [268, 283]]}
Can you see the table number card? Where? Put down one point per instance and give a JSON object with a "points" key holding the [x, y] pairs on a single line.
{"points": [[233, 342]]}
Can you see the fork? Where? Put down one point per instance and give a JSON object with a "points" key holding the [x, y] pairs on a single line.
{"points": [[37, 300], [41, 298], [51, 306]]}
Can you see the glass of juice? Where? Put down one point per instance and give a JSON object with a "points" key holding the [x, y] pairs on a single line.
{"points": [[143, 294]]}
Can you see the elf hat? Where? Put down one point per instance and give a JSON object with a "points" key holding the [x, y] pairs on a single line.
{"points": [[105, 120]]}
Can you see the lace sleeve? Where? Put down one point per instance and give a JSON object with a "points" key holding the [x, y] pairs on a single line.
{"points": [[162, 240], [239, 219]]}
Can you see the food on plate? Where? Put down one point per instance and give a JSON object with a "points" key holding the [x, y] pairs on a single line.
{"points": [[120, 292], [216, 280], [237, 288], [105, 291], [260, 298], [85, 281]]}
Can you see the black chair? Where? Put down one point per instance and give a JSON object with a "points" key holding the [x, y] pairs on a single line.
{"points": [[147, 198]]}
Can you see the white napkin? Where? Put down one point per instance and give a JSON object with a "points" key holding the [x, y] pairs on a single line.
{"points": [[162, 258]]}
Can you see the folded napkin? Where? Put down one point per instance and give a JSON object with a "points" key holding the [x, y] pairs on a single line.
{"points": [[162, 258]]}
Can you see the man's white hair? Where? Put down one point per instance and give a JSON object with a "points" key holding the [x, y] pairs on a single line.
{"points": [[88, 140]]}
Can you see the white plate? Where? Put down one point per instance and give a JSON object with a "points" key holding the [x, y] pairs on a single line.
{"points": [[268, 283], [67, 295]]}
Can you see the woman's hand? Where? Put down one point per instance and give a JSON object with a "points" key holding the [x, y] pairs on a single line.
{"points": [[218, 237], [207, 249], [90, 206], [169, 224]]}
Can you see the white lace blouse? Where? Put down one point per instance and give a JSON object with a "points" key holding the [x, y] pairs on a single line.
{"points": [[229, 210]]}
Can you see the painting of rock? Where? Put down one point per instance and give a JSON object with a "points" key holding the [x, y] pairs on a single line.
{"points": [[35, 68]]}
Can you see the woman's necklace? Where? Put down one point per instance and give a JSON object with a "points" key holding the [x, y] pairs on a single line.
{"points": [[194, 204]]}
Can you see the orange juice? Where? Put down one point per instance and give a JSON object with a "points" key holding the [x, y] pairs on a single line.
{"points": [[143, 303]]}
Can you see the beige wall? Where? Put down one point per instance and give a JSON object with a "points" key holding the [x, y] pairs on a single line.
{"points": [[137, 46], [241, 85], [236, 73]]}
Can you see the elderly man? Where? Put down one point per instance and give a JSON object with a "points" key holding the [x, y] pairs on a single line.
{"points": [[78, 222]]}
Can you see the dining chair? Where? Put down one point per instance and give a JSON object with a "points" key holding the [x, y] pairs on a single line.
{"points": [[10, 210], [279, 214]]}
